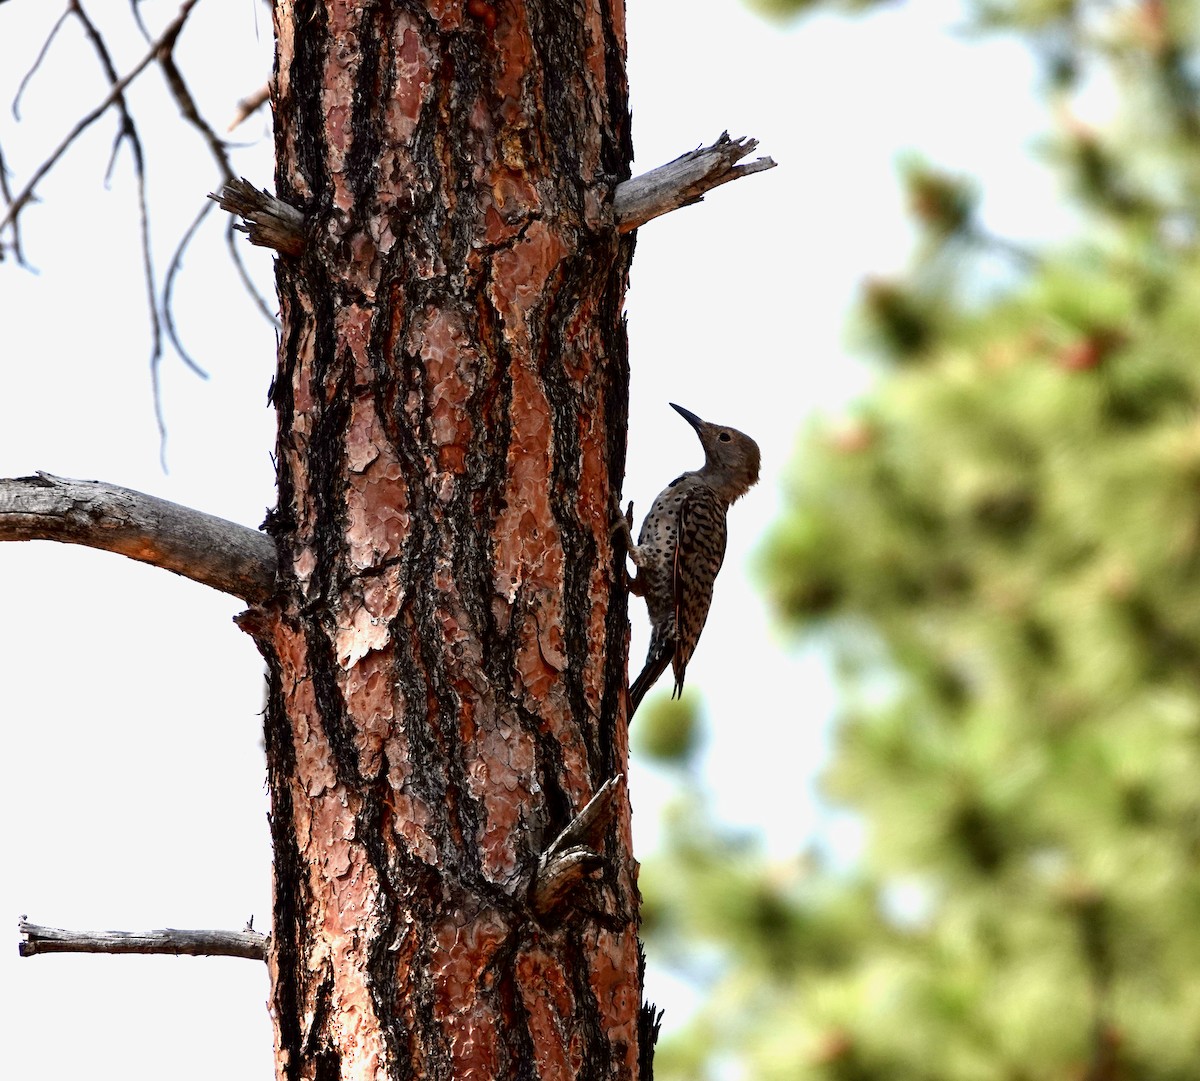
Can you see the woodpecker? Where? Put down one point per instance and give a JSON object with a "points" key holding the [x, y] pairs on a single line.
{"points": [[681, 547]]}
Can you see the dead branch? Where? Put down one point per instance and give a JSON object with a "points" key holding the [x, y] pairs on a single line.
{"points": [[558, 879], [38, 61], [684, 180], [187, 104], [573, 855], [271, 223], [17, 203], [215, 552], [249, 105], [36, 939], [168, 306]]}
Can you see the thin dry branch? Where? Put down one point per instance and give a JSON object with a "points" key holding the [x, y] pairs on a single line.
{"points": [[37, 939], [17, 203], [168, 305], [187, 104], [249, 105], [684, 181], [235, 253], [37, 61], [215, 552], [126, 129], [16, 228]]}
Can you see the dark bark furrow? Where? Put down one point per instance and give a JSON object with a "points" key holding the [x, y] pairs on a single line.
{"points": [[520, 1051], [287, 935], [597, 1051], [325, 451], [375, 68], [311, 24], [616, 139]]}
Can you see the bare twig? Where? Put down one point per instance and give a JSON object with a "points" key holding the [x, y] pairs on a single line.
{"points": [[187, 104], [169, 288], [187, 107], [210, 550], [271, 223], [136, 11], [37, 61], [684, 180], [115, 91], [235, 253], [126, 129], [37, 939], [16, 229], [249, 105]]}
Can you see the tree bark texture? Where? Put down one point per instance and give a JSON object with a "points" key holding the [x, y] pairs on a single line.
{"points": [[447, 651]]}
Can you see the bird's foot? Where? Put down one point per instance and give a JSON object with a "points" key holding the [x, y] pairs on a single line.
{"points": [[623, 523], [624, 526]]}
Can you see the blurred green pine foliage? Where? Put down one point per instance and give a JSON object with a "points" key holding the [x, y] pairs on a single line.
{"points": [[1003, 544]]}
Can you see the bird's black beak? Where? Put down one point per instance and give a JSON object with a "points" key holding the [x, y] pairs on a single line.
{"points": [[687, 415]]}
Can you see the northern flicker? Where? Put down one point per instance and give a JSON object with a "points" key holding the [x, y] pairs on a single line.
{"points": [[681, 546]]}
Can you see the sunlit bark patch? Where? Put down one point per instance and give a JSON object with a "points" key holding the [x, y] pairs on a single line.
{"points": [[618, 994], [550, 1006], [342, 59], [463, 948], [367, 692]]}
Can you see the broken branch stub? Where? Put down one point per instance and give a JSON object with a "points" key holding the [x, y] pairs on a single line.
{"points": [[270, 222], [684, 180], [573, 855]]}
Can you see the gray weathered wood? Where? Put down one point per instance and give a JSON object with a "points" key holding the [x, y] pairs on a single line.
{"points": [[37, 939], [684, 180], [270, 222], [213, 551]]}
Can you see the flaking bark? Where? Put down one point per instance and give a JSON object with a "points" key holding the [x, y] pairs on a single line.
{"points": [[447, 652]]}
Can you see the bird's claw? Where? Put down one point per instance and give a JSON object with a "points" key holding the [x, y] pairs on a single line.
{"points": [[623, 524]]}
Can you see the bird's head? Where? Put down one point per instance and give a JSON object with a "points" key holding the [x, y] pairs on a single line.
{"points": [[731, 458]]}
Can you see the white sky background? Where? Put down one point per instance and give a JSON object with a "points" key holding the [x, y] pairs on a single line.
{"points": [[133, 792]]}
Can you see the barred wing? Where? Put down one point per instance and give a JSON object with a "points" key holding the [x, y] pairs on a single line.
{"points": [[698, 556]]}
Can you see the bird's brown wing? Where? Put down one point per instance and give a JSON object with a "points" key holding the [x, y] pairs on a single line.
{"points": [[698, 556]]}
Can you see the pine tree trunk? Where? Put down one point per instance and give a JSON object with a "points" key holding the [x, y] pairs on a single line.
{"points": [[447, 652]]}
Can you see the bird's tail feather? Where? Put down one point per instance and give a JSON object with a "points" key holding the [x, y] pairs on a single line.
{"points": [[656, 665]]}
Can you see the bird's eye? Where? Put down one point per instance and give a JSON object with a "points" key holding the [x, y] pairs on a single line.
{"points": [[724, 437]]}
